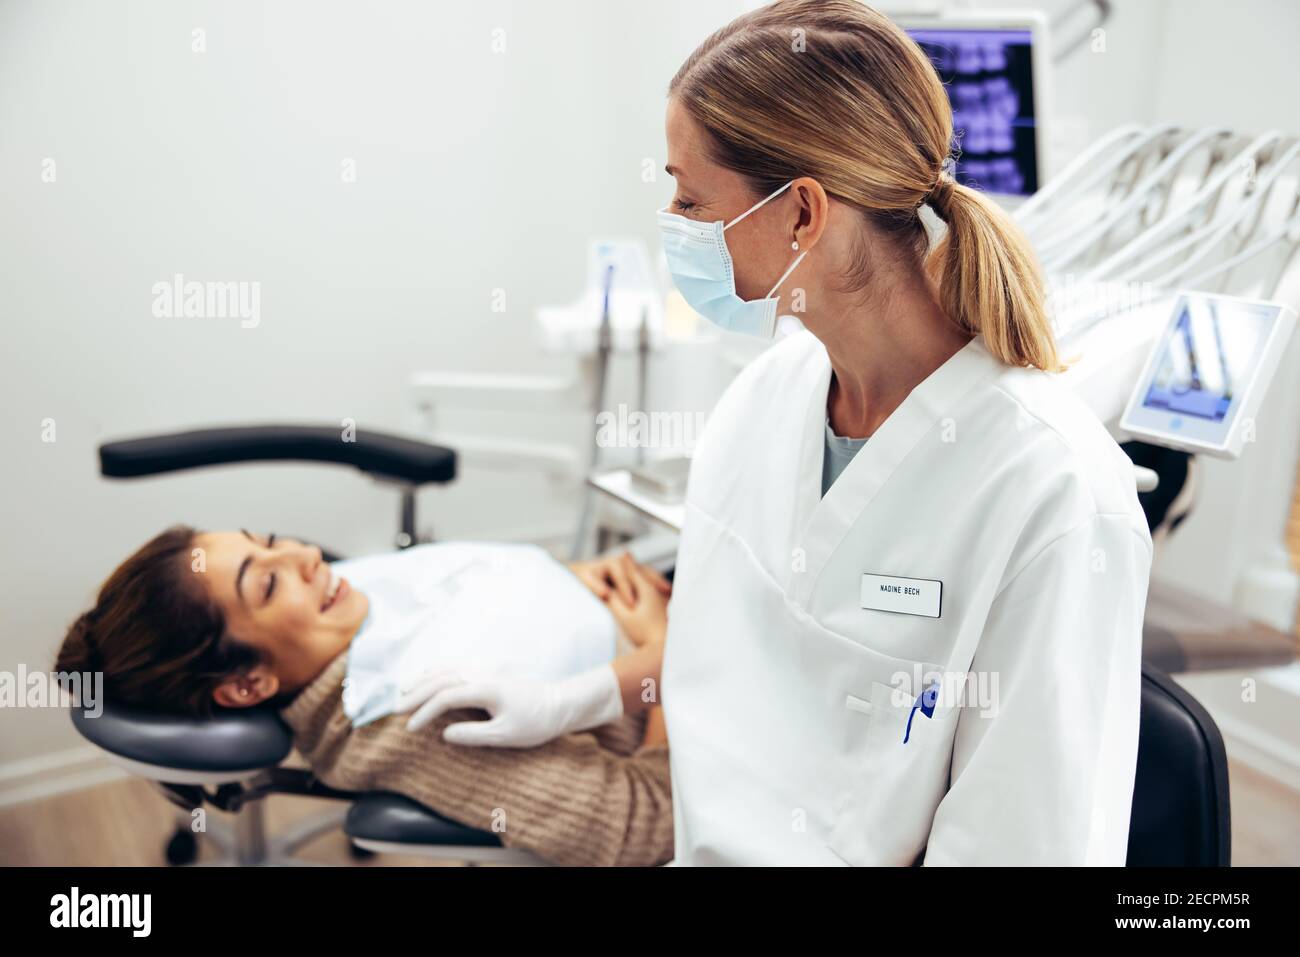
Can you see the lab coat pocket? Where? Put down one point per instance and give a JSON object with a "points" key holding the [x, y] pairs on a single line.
{"points": [[895, 778]]}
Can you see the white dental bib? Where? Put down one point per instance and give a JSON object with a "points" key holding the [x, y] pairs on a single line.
{"points": [[476, 605]]}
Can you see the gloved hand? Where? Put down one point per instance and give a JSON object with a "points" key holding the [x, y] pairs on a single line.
{"points": [[525, 712]]}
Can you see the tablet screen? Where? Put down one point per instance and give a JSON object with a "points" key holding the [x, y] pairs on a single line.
{"points": [[1215, 358], [1209, 352]]}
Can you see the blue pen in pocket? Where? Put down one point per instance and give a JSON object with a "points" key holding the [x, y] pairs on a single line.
{"points": [[925, 701]]}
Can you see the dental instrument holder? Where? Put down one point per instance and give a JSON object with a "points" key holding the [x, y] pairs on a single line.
{"points": [[635, 315], [643, 372], [604, 345]]}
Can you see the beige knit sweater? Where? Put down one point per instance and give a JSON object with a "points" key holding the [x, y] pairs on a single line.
{"points": [[592, 798]]}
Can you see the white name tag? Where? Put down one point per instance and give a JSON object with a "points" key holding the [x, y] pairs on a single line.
{"points": [[908, 596]]}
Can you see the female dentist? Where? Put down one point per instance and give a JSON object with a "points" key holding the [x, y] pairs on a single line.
{"points": [[907, 612]]}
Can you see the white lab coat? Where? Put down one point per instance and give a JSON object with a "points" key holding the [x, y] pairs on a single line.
{"points": [[787, 700]]}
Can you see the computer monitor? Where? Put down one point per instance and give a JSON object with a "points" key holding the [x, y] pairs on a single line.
{"points": [[993, 68], [1207, 373]]}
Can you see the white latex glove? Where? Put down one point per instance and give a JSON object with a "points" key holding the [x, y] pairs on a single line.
{"points": [[525, 712]]}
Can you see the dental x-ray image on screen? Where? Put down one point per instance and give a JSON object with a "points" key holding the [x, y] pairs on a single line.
{"points": [[989, 77]]}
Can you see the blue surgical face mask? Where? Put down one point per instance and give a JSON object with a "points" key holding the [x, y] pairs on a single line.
{"points": [[702, 270]]}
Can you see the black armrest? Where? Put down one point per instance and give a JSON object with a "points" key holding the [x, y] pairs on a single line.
{"points": [[375, 453], [230, 740], [399, 820]]}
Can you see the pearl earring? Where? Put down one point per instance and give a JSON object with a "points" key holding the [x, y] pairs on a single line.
{"points": [[795, 245]]}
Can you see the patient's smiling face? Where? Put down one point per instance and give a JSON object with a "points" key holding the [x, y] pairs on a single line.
{"points": [[275, 594]]}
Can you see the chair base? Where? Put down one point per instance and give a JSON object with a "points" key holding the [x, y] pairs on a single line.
{"points": [[243, 842], [451, 852]]}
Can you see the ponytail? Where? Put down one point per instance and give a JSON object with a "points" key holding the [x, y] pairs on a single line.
{"points": [[989, 281], [860, 109]]}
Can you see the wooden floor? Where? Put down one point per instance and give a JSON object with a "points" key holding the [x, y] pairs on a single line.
{"points": [[127, 823]]}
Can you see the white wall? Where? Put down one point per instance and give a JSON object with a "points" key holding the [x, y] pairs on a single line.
{"points": [[475, 171]]}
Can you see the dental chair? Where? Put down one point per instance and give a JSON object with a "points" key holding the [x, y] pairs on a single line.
{"points": [[232, 761], [1180, 815]]}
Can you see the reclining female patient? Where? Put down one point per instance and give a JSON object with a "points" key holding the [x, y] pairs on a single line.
{"points": [[193, 619]]}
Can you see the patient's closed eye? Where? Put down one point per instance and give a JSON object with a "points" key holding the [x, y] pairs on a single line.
{"points": [[270, 580]]}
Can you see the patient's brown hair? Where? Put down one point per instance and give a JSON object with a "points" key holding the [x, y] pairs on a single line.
{"points": [[160, 642]]}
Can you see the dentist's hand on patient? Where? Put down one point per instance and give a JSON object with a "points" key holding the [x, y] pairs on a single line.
{"points": [[526, 712]]}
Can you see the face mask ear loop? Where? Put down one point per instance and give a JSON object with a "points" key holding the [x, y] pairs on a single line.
{"points": [[758, 205], [786, 275]]}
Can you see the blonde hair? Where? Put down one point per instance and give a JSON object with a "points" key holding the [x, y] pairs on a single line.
{"points": [[834, 90]]}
